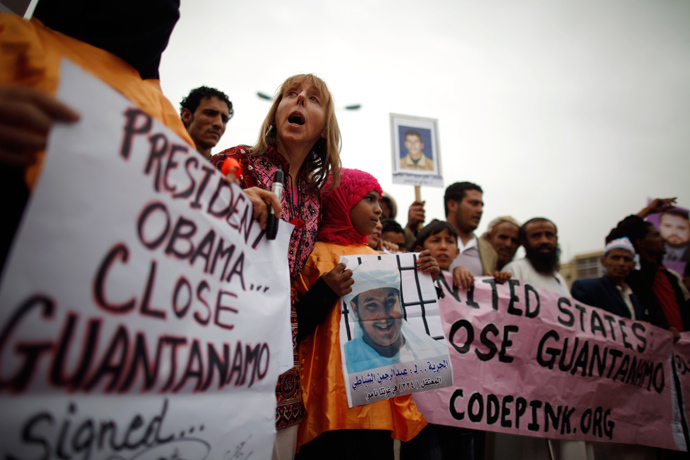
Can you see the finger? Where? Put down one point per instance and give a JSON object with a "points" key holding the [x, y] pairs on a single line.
{"points": [[20, 140], [232, 178], [13, 159], [340, 268], [349, 282], [259, 209], [273, 201], [56, 109], [25, 115], [346, 291]]}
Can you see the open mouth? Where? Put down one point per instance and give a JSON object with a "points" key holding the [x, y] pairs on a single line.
{"points": [[296, 118]]}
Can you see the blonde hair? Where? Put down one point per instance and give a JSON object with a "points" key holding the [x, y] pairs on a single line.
{"points": [[324, 157]]}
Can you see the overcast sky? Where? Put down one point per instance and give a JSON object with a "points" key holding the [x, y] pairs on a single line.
{"points": [[573, 110]]}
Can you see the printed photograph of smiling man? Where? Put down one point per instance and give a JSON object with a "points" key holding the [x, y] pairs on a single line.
{"points": [[415, 146], [381, 334], [415, 153]]}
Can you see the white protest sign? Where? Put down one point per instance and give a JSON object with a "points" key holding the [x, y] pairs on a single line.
{"points": [[142, 308], [391, 337]]}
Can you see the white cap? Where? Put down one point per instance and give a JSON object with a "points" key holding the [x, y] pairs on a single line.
{"points": [[620, 243], [374, 274]]}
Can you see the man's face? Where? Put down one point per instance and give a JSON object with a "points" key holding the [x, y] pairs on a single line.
{"points": [[505, 239], [414, 145], [380, 315], [468, 212], [207, 124], [541, 237], [618, 264], [395, 237], [652, 244], [541, 247], [675, 230]]}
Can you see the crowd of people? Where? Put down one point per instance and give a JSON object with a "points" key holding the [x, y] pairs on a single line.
{"points": [[336, 211]]}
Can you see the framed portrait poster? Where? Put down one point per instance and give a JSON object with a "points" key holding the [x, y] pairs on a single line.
{"points": [[415, 152], [674, 226]]}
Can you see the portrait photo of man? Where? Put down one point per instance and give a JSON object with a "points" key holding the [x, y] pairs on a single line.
{"points": [[674, 226], [381, 334], [413, 156]]}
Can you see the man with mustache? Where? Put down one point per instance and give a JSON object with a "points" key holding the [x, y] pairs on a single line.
{"points": [[504, 236], [464, 208], [610, 292], [539, 267], [675, 230], [205, 112]]}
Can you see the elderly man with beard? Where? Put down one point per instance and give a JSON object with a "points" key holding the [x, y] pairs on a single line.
{"points": [[539, 268]]}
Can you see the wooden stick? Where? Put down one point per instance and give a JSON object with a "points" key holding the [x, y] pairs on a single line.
{"points": [[418, 197]]}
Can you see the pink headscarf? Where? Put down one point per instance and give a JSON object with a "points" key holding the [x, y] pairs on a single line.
{"points": [[336, 204]]}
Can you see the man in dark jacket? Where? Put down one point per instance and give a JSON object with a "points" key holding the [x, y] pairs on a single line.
{"points": [[610, 292]]}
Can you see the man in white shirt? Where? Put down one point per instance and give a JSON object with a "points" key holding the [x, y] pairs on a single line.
{"points": [[539, 267], [464, 208]]}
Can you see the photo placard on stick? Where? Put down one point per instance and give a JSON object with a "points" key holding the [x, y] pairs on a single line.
{"points": [[416, 157]]}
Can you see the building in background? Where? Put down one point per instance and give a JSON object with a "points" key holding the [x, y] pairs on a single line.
{"points": [[582, 266]]}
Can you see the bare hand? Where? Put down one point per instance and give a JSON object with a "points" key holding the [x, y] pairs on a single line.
{"points": [[26, 116], [415, 216], [391, 247], [232, 178], [428, 264], [676, 334], [261, 199], [502, 277], [463, 278], [339, 280], [657, 205]]}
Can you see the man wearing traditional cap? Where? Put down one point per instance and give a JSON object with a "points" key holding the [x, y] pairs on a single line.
{"points": [[610, 291], [382, 337]]}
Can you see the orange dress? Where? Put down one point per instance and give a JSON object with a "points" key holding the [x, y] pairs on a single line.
{"points": [[30, 56], [323, 385]]}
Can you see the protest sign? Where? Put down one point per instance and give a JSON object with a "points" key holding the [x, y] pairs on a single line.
{"points": [[529, 362], [416, 157], [137, 319], [391, 337]]}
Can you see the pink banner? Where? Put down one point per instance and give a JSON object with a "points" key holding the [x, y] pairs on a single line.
{"points": [[528, 362], [681, 357]]}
